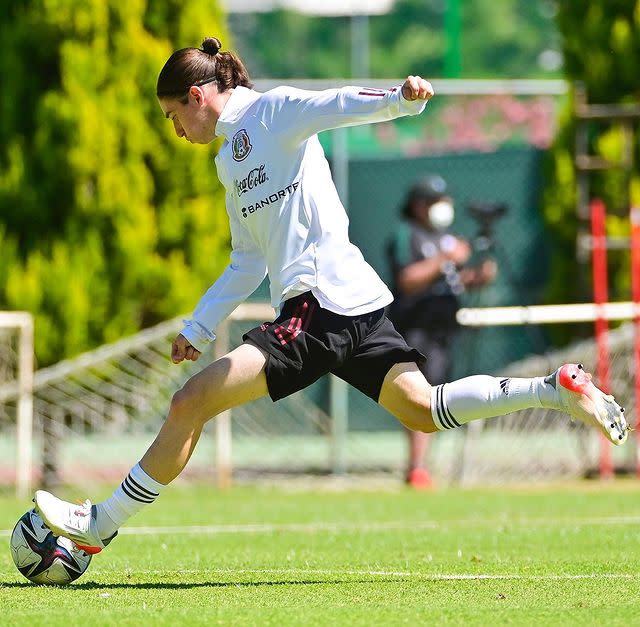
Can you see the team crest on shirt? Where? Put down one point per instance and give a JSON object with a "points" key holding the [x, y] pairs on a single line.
{"points": [[241, 145]]}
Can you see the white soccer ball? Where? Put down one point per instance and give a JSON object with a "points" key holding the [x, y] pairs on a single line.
{"points": [[42, 557]]}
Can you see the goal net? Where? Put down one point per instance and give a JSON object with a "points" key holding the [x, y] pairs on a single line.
{"points": [[541, 443], [95, 415]]}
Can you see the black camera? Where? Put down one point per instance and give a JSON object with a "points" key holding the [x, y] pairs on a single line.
{"points": [[487, 212]]}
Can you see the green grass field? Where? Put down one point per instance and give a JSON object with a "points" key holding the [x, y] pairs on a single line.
{"points": [[321, 555]]}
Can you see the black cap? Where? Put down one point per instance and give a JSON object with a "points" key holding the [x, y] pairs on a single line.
{"points": [[430, 188]]}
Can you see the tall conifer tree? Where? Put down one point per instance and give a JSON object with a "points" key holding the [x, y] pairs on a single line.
{"points": [[108, 222]]}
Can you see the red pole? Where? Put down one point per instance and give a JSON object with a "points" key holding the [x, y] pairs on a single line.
{"points": [[635, 296], [601, 296]]}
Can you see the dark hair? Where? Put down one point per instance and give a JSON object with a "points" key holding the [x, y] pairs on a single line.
{"points": [[429, 189], [198, 66]]}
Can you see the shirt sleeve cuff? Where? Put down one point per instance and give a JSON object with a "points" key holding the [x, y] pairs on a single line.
{"points": [[197, 335], [410, 107]]}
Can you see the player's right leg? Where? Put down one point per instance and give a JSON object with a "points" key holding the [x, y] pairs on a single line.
{"points": [[232, 380], [407, 395]]}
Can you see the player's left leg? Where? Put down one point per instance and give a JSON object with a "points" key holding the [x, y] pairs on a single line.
{"points": [[236, 378], [277, 358], [407, 395]]}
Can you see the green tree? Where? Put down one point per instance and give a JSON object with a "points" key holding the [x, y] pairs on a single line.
{"points": [[107, 222], [601, 47]]}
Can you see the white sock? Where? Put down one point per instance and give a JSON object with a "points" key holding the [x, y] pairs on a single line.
{"points": [[481, 396], [137, 490]]}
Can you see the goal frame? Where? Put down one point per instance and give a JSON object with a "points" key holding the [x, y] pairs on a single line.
{"points": [[22, 321]]}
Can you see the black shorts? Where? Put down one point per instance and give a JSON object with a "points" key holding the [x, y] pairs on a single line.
{"points": [[437, 345], [306, 342]]}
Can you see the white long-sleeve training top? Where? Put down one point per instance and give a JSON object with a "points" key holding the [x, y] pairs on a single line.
{"points": [[286, 218]]}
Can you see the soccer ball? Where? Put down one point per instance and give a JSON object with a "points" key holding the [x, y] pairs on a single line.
{"points": [[42, 557]]}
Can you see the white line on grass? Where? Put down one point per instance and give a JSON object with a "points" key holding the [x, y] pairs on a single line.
{"points": [[293, 527], [314, 527], [294, 572], [268, 528]]}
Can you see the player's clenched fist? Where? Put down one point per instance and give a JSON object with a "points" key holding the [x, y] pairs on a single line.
{"points": [[181, 350], [417, 88]]}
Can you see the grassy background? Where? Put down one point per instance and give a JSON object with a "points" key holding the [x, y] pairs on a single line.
{"points": [[334, 554]]}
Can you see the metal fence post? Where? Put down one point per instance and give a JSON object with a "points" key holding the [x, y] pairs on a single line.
{"points": [[224, 469], [339, 411]]}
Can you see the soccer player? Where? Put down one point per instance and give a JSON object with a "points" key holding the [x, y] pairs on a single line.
{"points": [[287, 222]]}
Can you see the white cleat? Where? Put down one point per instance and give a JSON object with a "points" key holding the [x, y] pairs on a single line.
{"points": [[581, 399], [76, 522]]}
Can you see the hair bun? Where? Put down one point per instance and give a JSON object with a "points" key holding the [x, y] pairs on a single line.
{"points": [[211, 45]]}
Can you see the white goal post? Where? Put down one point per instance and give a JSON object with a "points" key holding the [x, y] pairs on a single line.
{"points": [[547, 314], [23, 322]]}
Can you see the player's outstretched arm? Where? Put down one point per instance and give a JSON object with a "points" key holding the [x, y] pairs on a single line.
{"points": [[298, 114]]}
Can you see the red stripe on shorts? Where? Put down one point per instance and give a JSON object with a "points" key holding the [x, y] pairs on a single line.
{"points": [[299, 321], [307, 322]]}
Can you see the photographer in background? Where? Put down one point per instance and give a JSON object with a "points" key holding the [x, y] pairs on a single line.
{"points": [[429, 273]]}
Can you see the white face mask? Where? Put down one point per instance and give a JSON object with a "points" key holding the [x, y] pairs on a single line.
{"points": [[441, 215]]}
